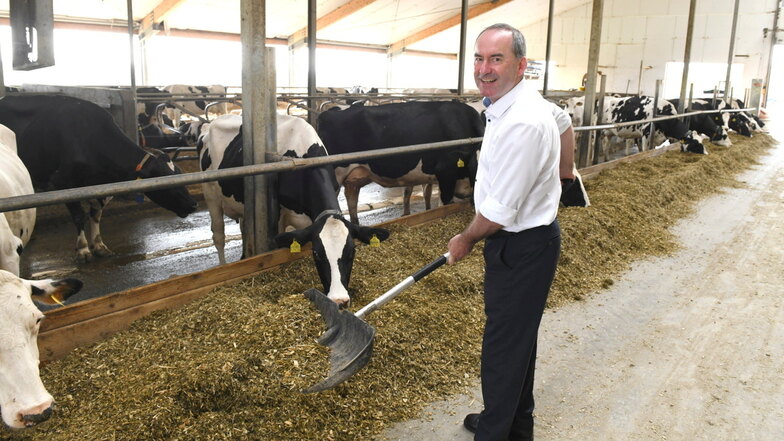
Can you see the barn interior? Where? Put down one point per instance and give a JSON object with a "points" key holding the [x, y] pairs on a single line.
{"points": [[105, 50]]}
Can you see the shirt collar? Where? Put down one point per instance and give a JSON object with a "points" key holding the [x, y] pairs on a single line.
{"points": [[498, 108]]}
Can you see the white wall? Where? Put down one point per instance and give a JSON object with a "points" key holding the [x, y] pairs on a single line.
{"points": [[654, 33]]}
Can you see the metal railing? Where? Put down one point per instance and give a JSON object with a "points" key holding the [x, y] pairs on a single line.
{"points": [[281, 164]]}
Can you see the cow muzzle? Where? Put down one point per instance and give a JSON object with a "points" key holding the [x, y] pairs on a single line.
{"points": [[34, 416]]}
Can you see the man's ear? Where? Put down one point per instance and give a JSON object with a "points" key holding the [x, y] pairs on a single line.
{"points": [[522, 66], [364, 234]]}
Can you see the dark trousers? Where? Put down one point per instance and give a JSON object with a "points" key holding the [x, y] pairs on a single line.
{"points": [[519, 271]]}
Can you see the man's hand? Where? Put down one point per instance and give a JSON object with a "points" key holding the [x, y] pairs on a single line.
{"points": [[459, 247]]}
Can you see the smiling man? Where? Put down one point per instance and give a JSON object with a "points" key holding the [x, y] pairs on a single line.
{"points": [[516, 197]]}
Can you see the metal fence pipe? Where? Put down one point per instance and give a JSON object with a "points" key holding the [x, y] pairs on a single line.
{"points": [[286, 163], [660, 118]]}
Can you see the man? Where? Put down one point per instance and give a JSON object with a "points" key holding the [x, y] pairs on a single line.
{"points": [[516, 196]]}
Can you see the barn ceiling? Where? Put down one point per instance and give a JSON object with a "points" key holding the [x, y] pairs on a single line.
{"points": [[426, 25]]}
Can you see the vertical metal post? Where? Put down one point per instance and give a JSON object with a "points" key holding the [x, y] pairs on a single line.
{"points": [[312, 116], [689, 106], [653, 115], [133, 63], [548, 46], [597, 143], [258, 122], [731, 53], [687, 54], [766, 86], [2, 78], [461, 57], [590, 85]]}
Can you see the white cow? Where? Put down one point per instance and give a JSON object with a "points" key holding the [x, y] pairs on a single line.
{"points": [[24, 401], [15, 226], [197, 106]]}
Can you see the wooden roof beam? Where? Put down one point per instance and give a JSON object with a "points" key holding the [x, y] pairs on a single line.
{"points": [[454, 20], [330, 18], [157, 15]]}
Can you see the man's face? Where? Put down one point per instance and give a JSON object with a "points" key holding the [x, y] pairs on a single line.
{"points": [[496, 70]]}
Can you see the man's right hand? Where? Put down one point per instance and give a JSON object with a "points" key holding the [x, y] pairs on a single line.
{"points": [[459, 247]]}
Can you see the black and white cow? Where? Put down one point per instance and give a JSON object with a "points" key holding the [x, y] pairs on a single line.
{"points": [[67, 142], [741, 122], [637, 108], [360, 128], [308, 199], [16, 227], [196, 106], [710, 125], [24, 401]]}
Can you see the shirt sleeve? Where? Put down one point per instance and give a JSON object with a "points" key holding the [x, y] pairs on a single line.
{"points": [[562, 119], [513, 169]]}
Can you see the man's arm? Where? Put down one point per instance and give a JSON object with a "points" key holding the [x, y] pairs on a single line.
{"points": [[566, 165], [479, 228]]}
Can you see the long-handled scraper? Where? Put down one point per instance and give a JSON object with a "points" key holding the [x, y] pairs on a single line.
{"points": [[349, 337]]}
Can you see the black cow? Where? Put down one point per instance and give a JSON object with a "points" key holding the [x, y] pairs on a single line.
{"points": [[359, 128], [710, 125], [308, 199], [67, 142]]}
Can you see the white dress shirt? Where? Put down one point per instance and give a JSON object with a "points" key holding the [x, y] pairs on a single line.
{"points": [[517, 181]]}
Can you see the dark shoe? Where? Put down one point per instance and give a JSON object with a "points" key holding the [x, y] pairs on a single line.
{"points": [[471, 422]]}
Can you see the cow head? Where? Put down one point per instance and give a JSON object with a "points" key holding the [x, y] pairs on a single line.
{"points": [[720, 136], [740, 123], [24, 400], [10, 247], [693, 143], [193, 131], [155, 164], [456, 173], [333, 249]]}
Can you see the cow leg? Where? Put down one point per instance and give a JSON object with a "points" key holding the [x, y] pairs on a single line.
{"points": [[213, 197], [352, 183], [94, 239], [427, 193], [78, 217], [352, 199], [407, 194]]}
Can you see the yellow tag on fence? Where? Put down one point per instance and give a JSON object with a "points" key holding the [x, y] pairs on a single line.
{"points": [[374, 242], [460, 163], [295, 247]]}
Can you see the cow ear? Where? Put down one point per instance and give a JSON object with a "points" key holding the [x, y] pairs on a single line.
{"points": [[284, 240], [366, 233]]}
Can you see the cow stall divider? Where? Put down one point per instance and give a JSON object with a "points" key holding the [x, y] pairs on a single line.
{"points": [[90, 321]]}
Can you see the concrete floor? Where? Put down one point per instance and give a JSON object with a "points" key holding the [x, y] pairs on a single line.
{"points": [[152, 244]]}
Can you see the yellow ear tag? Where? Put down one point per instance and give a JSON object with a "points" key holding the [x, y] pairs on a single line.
{"points": [[460, 163], [374, 242], [295, 247], [733, 119], [53, 297]]}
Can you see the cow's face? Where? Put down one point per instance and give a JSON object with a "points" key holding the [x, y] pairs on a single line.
{"points": [[24, 400], [176, 199], [333, 250], [740, 124], [721, 137], [693, 143], [10, 247], [456, 174]]}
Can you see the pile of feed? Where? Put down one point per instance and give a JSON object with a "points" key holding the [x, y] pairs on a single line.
{"points": [[231, 365]]}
